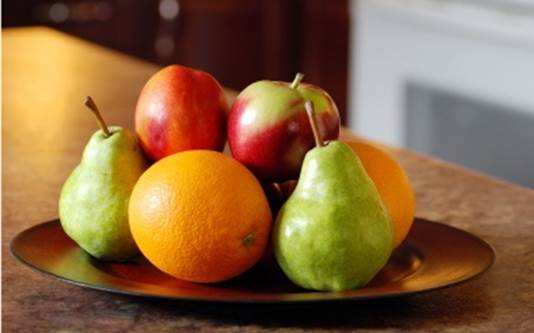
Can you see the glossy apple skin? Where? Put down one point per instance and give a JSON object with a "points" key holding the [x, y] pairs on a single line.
{"points": [[179, 109], [269, 130]]}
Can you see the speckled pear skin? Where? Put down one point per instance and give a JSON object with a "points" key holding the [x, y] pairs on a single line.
{"points": [[93, 205], [333, 233]]}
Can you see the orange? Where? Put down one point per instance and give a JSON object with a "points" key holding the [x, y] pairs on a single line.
{"points": [[392, 183], [200, 216]]}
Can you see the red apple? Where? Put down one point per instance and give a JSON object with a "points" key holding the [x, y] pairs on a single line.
{"points": [[179, 109], [269, 131]]}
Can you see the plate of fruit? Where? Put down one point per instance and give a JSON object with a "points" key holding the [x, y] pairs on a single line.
{"points": [[289, 213]]}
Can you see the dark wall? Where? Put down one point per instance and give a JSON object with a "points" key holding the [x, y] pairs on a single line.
{"points": [[238, 41]]}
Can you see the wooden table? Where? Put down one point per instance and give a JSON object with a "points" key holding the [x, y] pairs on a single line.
{"points": [[45, 78]]}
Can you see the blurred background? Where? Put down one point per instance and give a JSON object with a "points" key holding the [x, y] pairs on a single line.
{"points": [[450, 78]]}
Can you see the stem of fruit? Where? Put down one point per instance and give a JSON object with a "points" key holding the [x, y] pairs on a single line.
{"points": [[296, 81], [308, 105], [92, 106]]}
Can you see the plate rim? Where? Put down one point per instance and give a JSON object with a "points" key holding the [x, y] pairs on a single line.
{"points": [[334, 296]]}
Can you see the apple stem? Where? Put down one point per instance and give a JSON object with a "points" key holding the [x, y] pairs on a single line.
{"points": [[92, 106], [296, 81], [308, 105]]}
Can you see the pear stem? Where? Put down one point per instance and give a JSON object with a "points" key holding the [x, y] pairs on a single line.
{"points": [[296, 81], [308, 105], [92, 106]]}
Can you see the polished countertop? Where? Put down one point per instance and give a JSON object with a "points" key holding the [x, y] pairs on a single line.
{"points": [[47, 74]]}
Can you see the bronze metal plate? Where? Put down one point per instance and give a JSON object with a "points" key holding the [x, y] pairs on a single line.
{"points": [[433, 256]]}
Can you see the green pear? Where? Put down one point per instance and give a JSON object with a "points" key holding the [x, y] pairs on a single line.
{"points": [[333, 233], [93, 206]]}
